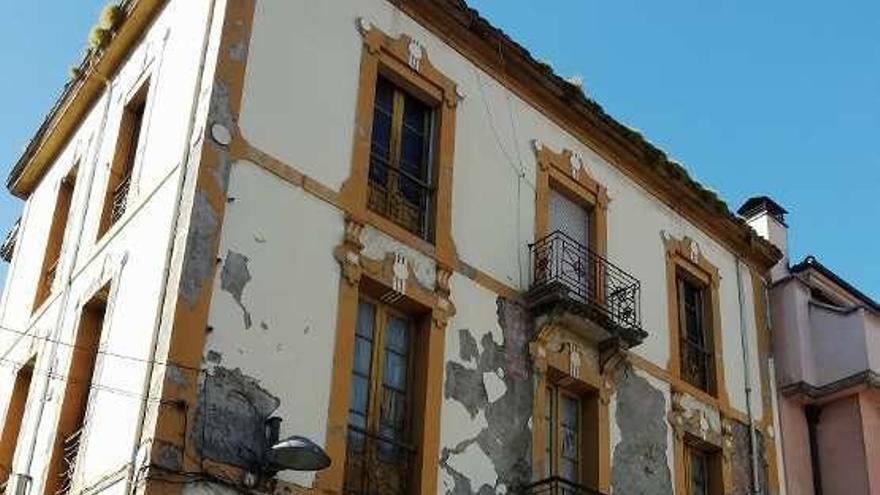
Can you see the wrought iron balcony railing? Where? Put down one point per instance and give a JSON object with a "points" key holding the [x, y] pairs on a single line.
{"points": [[555, 485], [7, 249], [568, 273], [376, 465], [71, 451], [400, 196], [120, 199]]}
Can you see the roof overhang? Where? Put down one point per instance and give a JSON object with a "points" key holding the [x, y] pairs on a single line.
{"points": [[488, 47], [78, 96]]}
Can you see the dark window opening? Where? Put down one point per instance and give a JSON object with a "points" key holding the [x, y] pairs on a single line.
{"points": [[119, 183], [401, 182], [52, 256], [72, 420], [695, 335]]}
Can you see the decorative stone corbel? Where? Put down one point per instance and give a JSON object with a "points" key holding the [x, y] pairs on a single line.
{"points": [[444, 308], [348, 254], [727, 440], [539, 356], [676, 416]]}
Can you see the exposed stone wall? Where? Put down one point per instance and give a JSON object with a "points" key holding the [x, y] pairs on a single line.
{"points": [[639, 462], [496, 383]]}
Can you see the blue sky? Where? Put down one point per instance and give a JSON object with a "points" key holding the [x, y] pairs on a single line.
{"points": [[754, 97]]}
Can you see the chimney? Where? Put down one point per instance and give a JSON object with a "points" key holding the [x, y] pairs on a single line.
{"points": [[767, 217]]}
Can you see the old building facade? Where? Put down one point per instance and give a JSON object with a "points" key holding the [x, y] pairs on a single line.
{"points": [[826, 347], [388, 226]]}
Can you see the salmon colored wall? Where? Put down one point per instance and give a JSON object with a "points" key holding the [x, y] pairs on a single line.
{"points": [[870, 410], [842, 448], [796, 445]]}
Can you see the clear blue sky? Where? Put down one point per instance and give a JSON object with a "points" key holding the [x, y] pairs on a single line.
{"points": [[755, 97]]}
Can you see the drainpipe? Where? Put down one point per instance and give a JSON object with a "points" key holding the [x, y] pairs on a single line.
{"points": [[65, 294], [157, 325], [747, 365]]}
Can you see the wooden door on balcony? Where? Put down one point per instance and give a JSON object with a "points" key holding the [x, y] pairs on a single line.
{"points": [[572, 219]]}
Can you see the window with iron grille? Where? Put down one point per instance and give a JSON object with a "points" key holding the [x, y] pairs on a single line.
{"points": [[695, 335], [401, 179], [119, 182], [380, 455]]}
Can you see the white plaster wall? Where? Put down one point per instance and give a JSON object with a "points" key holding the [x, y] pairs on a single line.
{"points": [[131, 255], [288, 237], [476, 312], [299, 104]]}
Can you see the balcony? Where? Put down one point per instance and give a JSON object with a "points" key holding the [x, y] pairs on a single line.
{"points": [[377, 465], [555, 485], [572, 283]]}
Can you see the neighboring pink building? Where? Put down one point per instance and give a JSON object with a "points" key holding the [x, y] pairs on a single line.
{"points": [[826, 343]]}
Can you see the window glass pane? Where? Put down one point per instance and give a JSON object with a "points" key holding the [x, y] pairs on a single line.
{"points": [[699, 473], [569, 412], [415, 115], [394, 374], [365, 320], [363, 350], [393, 409], [412, 154], [397, 335], [359, 395], [384, 95]]}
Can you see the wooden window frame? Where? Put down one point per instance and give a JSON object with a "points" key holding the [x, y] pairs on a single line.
{"points": [[55, 240], [551, 465], [714, 467], [365, 277], [554, 364], [683, 280], [684, 258], [381, 315], [126, 156], [15, 410], [566, 173], [404, 62], [394, 169]]}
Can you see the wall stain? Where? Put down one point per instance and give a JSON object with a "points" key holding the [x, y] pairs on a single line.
{"points": [[640, 465], [234, 278], [231, 416], [198, 267], [507, 438]]}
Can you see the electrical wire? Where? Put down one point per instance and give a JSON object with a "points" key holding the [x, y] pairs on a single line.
{"points": [[105, 353], [9, 363]]}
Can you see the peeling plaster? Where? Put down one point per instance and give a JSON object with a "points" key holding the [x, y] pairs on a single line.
{"points": [[639, 463], [234, 278], [198, 267], [740, 460], [498, 391], [231, 418]]}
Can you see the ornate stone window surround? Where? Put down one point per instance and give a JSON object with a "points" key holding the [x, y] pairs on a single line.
{"points": [[404, 61], [392, 281], [566, 172], [560, 359], [684, 256]]}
